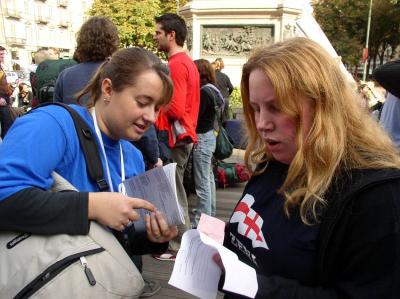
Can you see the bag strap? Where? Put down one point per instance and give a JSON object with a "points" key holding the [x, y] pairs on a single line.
{"points": [[89, 146]]}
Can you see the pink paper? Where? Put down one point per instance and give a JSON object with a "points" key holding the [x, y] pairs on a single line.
{"points": [[212, 227]]}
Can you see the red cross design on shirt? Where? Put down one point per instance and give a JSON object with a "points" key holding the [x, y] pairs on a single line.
{"points": [[249, 222]]}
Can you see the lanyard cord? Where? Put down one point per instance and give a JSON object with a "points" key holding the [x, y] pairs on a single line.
{"points": [[98, 133]]}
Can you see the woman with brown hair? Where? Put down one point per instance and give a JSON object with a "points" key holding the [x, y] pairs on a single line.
{"points": [[24, 96], [97, 39], [125, 94], [320, 218], [203, 151]]}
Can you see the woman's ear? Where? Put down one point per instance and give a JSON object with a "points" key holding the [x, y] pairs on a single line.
{"points": [[106, 88]]}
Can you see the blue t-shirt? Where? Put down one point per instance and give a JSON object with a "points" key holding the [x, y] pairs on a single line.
{"points": [[265, 238], [45, 140]]}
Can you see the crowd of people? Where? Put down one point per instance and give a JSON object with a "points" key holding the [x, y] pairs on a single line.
{"points": [[320, 216]]}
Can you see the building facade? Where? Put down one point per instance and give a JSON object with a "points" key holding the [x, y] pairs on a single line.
{"points": [[28, 25]]}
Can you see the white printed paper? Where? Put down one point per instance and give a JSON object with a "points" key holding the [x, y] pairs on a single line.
{"points": [[157, 186], [196, 272]]}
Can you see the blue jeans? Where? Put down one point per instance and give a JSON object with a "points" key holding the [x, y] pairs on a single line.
{"points": [[203, 175]]}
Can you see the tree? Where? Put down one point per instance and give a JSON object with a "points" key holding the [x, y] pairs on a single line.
{"points": [[171, 5], [134, 19], [385, 31], [345, 24]]}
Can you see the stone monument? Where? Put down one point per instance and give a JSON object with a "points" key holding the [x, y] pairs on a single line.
{"points": [[230, 29]]}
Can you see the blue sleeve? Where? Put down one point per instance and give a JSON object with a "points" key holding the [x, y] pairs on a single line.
{"points": [[32, 149]]}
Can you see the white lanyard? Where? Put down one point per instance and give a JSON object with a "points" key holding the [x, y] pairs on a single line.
{"points": [[98, 133]]}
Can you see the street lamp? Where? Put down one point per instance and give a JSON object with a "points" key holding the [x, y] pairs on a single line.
{"points": [[365, 52]]}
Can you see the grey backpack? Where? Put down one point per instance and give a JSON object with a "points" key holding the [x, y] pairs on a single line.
{"points": [[66, 266]]}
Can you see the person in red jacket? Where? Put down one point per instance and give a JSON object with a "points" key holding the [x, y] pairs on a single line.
{"points": [[179, 119]]}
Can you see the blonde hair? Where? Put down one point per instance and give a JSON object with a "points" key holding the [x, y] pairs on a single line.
{"points": [[342, 136], [42, 55]]}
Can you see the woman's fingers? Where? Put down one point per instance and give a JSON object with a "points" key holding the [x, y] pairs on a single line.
{"points": [[137, 203], [158, 229]]}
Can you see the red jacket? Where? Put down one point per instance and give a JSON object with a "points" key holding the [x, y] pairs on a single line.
{"points": [[184, 106]]}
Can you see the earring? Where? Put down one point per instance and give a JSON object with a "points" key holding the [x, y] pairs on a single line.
{"points": [[106, 100]]}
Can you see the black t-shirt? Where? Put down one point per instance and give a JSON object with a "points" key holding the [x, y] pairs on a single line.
{"points": [[206, 118], [265, 238]]}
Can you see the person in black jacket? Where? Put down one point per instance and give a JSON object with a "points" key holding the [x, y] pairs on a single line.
{"points": [[224, 85], [388, 76], [320, 217]]}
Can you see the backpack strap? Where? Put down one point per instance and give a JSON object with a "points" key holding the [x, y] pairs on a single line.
{"points": [[89, 146]]}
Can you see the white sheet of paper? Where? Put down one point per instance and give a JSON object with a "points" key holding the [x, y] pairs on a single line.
{"points": [[194, 270], [196, 273], [158, 186]]}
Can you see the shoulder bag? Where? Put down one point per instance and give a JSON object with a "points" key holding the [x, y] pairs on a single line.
{"points": [[224, 147]]}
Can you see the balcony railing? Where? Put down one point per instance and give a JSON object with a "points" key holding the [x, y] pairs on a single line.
{"points": [[18, 41], [13, 13], [64, 23], [42, 19], [62, 3]]}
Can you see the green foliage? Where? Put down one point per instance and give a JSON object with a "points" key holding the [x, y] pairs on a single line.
{"points": [[171, 5], [235, 100], [345, 24], [134, 19]]}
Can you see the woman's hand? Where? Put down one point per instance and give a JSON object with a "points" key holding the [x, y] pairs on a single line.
{"points": [[157, 228], [115, 210]]}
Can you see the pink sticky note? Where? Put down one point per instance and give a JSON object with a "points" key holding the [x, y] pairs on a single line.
{"points": [[212, 227]]}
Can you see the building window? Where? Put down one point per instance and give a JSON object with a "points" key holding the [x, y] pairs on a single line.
{"points": [[14, 55]]}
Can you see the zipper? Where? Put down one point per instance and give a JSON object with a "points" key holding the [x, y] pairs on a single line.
{"points": [[88, 272], [52, 271]]}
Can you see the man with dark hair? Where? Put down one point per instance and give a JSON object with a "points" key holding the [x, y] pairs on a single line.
{"points": [[179, 119]]}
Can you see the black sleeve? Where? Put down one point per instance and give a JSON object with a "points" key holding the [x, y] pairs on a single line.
{"points": [[367, 264], [204, 101], [139, 243], [229, 84], [6, 119], [44, 212], [388, 75]]}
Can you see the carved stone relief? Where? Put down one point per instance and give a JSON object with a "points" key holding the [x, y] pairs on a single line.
{"points": [[234, 40], [289, 31], [189, 37]]}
